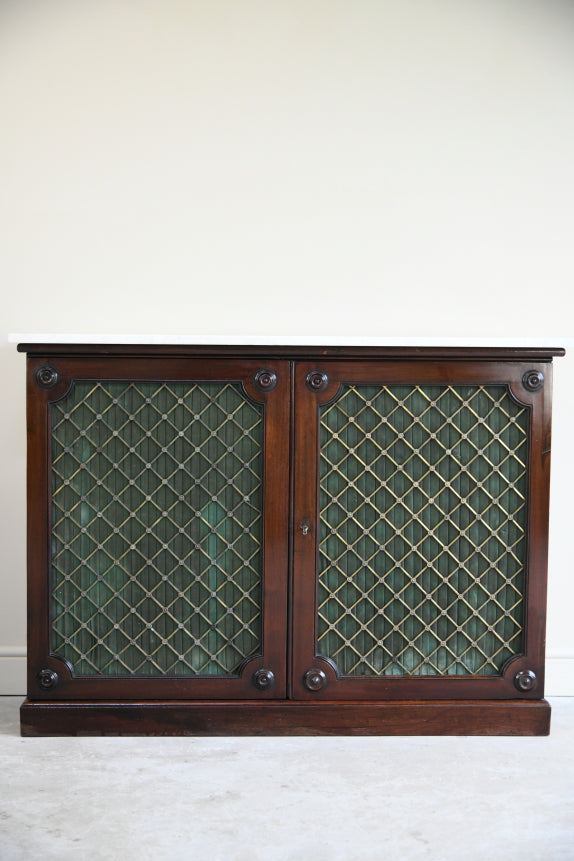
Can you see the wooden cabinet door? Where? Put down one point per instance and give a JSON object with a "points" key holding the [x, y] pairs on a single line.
{"points": [[158, 528], [420, 509]]}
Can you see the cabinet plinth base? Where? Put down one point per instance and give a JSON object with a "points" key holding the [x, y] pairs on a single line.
{"points": [[444, 717]]}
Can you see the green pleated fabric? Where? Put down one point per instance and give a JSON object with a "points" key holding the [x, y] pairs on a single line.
{"points": [[422, 530], [156, 528]]}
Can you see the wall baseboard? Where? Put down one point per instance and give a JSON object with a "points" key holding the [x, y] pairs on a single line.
{"points": [[12, 671], [559, 676], [559, 673]]}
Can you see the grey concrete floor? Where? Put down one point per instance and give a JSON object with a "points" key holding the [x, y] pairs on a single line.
{"points": [[277, 799]]}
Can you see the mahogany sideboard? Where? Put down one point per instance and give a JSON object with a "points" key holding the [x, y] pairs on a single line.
{"points": [[287, 540]]}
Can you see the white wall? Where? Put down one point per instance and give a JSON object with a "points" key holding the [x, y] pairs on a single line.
{"points": [[381, 168]]}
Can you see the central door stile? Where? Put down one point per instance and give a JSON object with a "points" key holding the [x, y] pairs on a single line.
{"points": [[313, 388]]}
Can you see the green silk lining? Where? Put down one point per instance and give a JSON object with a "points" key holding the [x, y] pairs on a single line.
{"points": [[422, 530], [156, 528]]}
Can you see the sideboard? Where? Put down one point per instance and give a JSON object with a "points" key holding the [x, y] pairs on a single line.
{"points": [[287, 540]]}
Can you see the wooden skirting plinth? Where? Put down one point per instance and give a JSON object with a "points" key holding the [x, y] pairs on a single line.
{"points": [[446, 717]]}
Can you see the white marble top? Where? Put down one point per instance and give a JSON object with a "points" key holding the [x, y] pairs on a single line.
{"points": [[283, 340]]}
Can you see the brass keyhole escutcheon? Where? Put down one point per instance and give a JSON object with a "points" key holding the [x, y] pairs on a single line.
{"points": [[305, 526]]}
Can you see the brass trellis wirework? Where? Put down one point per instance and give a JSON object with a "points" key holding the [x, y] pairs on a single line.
{"points": [[156, 528], [422, 529]]}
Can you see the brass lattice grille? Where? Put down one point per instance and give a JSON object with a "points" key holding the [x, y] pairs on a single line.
{"points": [[422, 529], [156, 527]]}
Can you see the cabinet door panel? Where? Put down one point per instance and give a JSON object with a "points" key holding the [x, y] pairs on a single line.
{"points": [[416, 575], [166, 555]]}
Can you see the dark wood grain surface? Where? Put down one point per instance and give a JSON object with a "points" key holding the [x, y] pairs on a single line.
{"points": [[306, 507], [275, 532], [543, 354], [287, 718], [473, 705]]}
